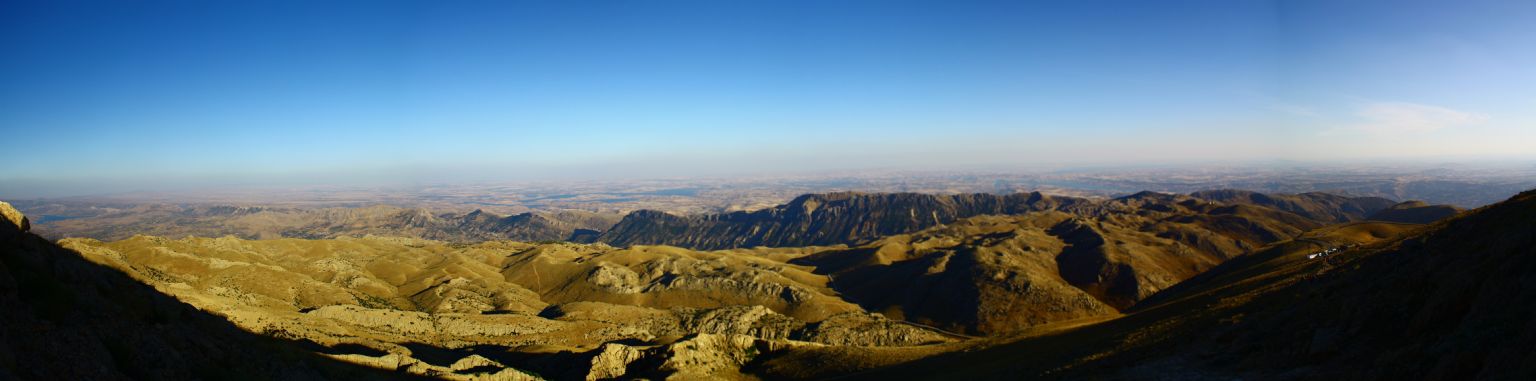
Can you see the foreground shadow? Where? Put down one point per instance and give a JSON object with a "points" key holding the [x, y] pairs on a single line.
{"points": [[63, 317]]}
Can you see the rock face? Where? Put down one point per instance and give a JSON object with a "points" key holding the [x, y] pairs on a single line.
{"points": [[820, 219], [707, 357], [15, 224], [867, 329], [612, 361], [14, 217]]}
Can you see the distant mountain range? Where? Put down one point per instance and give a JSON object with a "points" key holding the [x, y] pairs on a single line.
{"points": [[844, 218], [258, 222], [856, 218]]}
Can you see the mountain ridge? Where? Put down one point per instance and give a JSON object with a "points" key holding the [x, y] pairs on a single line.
{"points": [[825, 219]]}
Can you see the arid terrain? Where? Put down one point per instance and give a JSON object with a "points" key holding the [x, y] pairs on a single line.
{"points": [[768, 190], [866, 284]]}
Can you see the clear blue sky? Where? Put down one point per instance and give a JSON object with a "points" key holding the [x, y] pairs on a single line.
{"points": [[128, 94]]}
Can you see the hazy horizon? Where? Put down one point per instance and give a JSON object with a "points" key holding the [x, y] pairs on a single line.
{"points": [[112, 97]]}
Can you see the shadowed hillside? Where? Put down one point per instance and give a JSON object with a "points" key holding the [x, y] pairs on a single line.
{"points": [[64, 318], [1452, 300]]}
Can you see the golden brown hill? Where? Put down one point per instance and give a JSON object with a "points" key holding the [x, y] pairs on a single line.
{"points": [[1452, 300], [424, 306], [998, 274]]}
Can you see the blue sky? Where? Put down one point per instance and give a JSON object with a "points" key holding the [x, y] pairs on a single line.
{"points": [[125, 95]]}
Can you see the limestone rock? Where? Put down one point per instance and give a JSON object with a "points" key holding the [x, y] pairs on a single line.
{"points": [[612, 360], [757, 321], [473, 362], [708, 356], [14, 217], [614, 278], [861, 329]]}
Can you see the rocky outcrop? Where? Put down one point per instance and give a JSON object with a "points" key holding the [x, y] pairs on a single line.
{"points": [[707, 356], [867, 329], [755, 321], [17, 222], [612, 361], [615, 279]]}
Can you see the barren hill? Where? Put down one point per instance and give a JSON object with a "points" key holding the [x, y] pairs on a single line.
{"points": [[999, 274], [424, 306], [1037, 267], [1450, 300]]}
